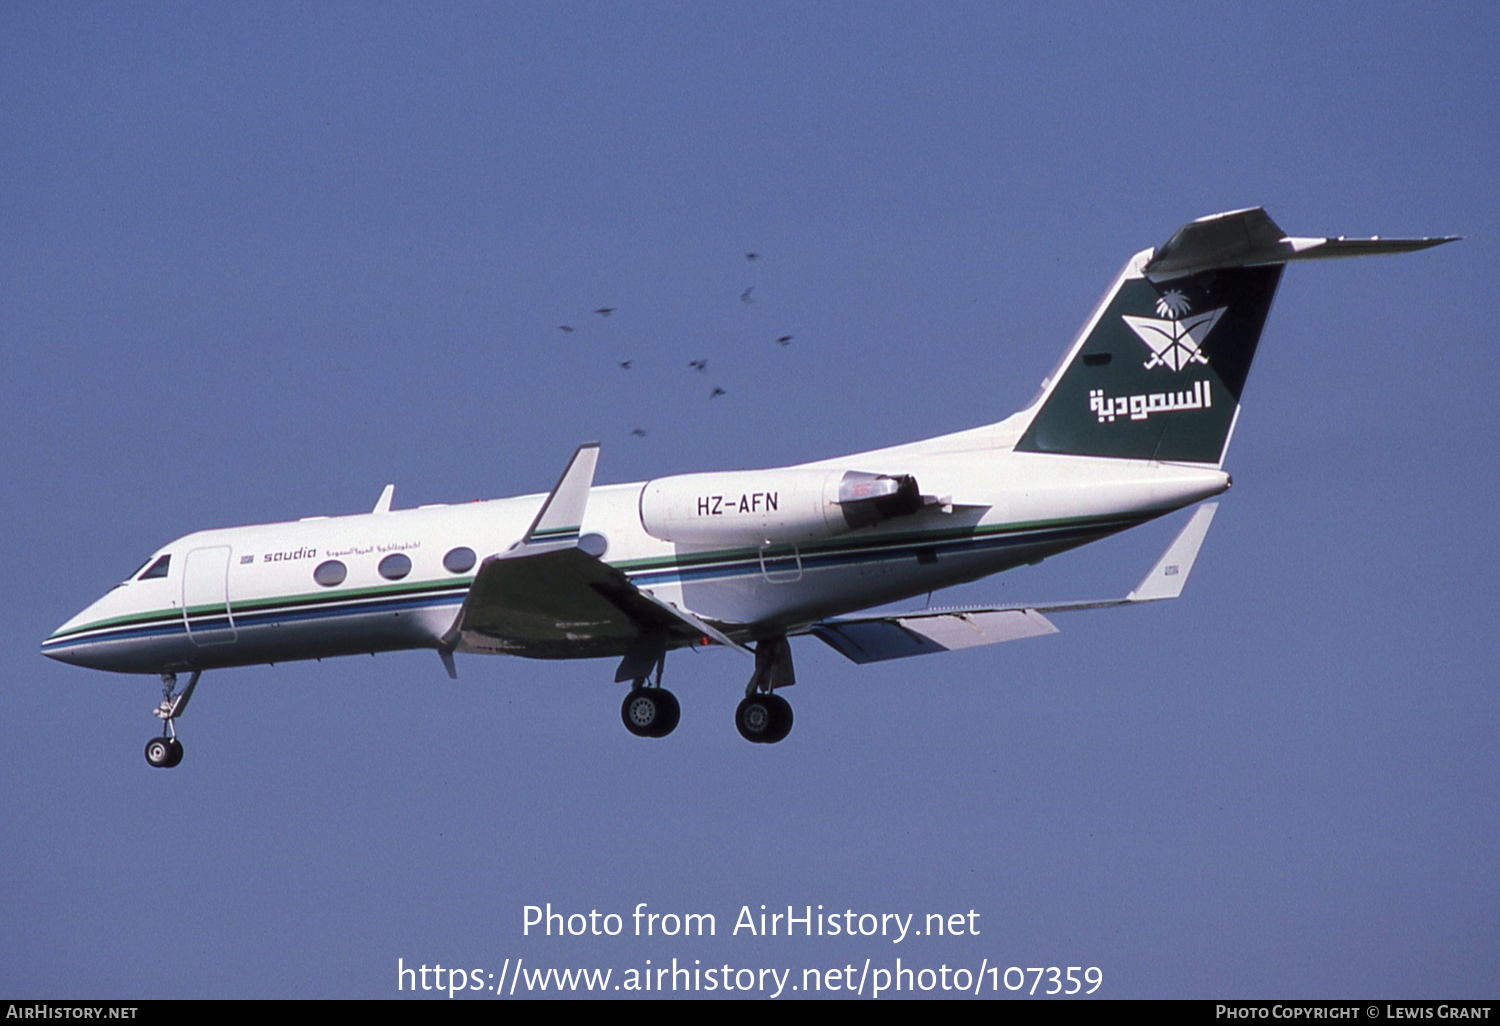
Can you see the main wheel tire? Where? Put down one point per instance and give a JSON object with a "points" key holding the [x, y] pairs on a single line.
{"points": [[763, 719], [781, 720], [159, 752], [176, 754], [671, 713], [650, 712]]}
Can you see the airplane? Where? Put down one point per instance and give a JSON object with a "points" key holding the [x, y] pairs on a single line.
{"points": [[1133, 424]]}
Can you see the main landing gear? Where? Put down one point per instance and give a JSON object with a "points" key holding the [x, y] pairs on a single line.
{"points": [[166, 751], [764, 717], [650, 710]]}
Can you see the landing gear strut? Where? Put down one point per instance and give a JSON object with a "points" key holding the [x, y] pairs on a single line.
{"points": [[650, 710], [765, 717], [166, 751]]}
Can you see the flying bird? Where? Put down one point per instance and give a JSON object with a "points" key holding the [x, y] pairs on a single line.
{"points": [[638, 432], [751, 256], [698, 365], [745, 296], [605, 311], [784, 340], [625, 364], [717, 392], [564, 327]]}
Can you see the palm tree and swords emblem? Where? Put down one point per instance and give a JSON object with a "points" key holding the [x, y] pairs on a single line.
{"points": [[1176, 340]]}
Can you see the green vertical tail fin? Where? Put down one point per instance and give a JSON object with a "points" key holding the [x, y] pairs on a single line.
{"points": [[1158, 372]]}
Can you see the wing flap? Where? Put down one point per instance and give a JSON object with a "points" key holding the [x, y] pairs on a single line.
{"points": [[878, 639]]}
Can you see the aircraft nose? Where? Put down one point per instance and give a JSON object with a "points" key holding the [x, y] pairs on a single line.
{"points": [[71, 643], [60, 644], [58, 652]]}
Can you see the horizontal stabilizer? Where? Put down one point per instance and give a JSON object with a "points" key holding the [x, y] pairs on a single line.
{"points": [[1249, 238], [873, 639]]}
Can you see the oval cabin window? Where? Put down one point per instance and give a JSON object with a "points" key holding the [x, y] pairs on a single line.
{"points": [[330, 573], [459, 560], [394, 567]]}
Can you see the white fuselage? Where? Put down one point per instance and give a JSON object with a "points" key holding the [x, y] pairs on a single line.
{"points": [[246, 595]]}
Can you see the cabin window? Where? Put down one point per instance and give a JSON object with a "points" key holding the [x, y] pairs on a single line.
{"points": [[595, 545], [395, 566], [330, 572], [157, 569], [460, 560]]}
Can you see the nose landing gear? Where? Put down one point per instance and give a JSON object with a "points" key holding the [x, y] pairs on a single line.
{"points": [[166, 751]]}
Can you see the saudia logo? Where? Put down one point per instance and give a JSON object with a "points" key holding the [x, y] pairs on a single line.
{"points": [[1178, 340], [1175, 341], [1139, 407]]}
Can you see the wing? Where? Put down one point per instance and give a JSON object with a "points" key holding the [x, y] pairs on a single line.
{"points": [[873, 639], [564, 604], [549, 599]]}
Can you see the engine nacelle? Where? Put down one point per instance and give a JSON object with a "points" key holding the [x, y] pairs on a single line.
{"points": [[787, 506]]}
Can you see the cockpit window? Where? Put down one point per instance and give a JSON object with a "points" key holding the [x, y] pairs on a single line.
{"points": [[157, 569]]}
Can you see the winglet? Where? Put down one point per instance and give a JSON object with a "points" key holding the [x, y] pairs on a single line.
{"points": [[1171, 571], [383, 504], [561, 514]]}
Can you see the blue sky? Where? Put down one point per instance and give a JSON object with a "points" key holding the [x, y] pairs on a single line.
{"points": [[258, 261]]}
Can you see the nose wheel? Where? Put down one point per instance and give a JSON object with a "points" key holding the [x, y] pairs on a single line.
{"points": [[166, 751]]}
